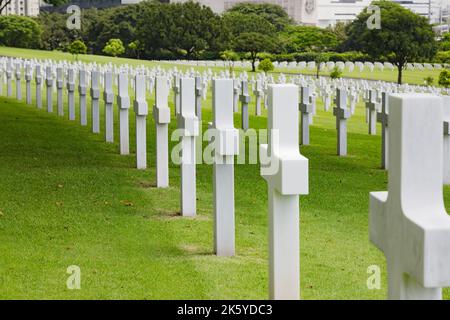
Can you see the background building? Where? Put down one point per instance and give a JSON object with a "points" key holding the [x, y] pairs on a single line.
{"points": [[22, 8], [328, 12]]}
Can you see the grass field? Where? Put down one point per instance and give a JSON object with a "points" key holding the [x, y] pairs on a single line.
{"points": [[412, 77], [68, 198]]}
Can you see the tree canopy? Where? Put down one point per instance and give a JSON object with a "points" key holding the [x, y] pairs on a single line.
{"points": [[19, 31], [403, 37]]}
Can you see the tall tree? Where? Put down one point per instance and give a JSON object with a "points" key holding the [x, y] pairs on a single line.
{"points": [[19, 31], [308, 38], [403, 37], [272, 13], [254, 43], [56, 3]]}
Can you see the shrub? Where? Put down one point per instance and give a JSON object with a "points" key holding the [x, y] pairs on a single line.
{"points": [[444, 78], [77, 47], [336, 73], [266, 65]]}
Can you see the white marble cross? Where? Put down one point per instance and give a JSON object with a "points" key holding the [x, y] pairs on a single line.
{"points": [[446, 102], [108, 97], [176, 93], [8, 73], [342, 113], [59, 87], [188, 122], [286, 172], [95, 103], [161, 114], [306, 109], [82, 90], [198, 97], [123, 102], [226, 146], [71, 93], [258, 92], [371, 111], [18, 79], [141, 111], [382, 117], [236, 90], [38, 80], [28, 78], [49, 83], [409, 222], [245, 101]]}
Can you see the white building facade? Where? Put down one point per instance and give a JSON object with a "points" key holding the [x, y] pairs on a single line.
{"points": [[22, 8], [328, 12]]}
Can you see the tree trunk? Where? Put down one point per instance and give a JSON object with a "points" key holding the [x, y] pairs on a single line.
{"points": [[400, 73], [253, 63], [317, 71]]}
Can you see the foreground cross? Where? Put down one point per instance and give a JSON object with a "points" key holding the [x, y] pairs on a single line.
{"points": [[18, 83], [71, 93], [409, 223], [38, 80], [9, 89], [123, 102], [28, 77], [161, 114], [245, 100], [306, 109], [226, 146], [371, 112], [108, 97], [49, 82], [286, 172], [59, 90], [82, 90], [342, 113], [188, 122], [199, 90], [258, 94], [141, 111], [95, 103], [383, 117]]}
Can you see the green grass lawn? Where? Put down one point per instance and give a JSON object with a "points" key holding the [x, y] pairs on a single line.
{"points": [[68, 198], [412, 77]]}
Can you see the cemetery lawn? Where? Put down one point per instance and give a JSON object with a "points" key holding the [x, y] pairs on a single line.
{"points": [[412, 77], [68, 198]]}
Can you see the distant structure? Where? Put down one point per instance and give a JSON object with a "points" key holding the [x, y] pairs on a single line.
{"points": [[324, 13], [22, 8], [86, 4]]}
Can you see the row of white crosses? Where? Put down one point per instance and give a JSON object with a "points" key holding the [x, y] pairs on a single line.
{"points": [[311, 65], [410, 216]]}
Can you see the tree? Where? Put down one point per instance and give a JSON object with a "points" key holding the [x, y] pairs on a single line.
{"points": [[114, 48], [3, 4], [444, 43], [308, 38], [230, 57], [253, 43], [136, 48], [238, 23], [77, 47], [266, 65], [403, 37], [56, 3], [195, 28], [340, 32], [272, 13], [19, 31]]}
